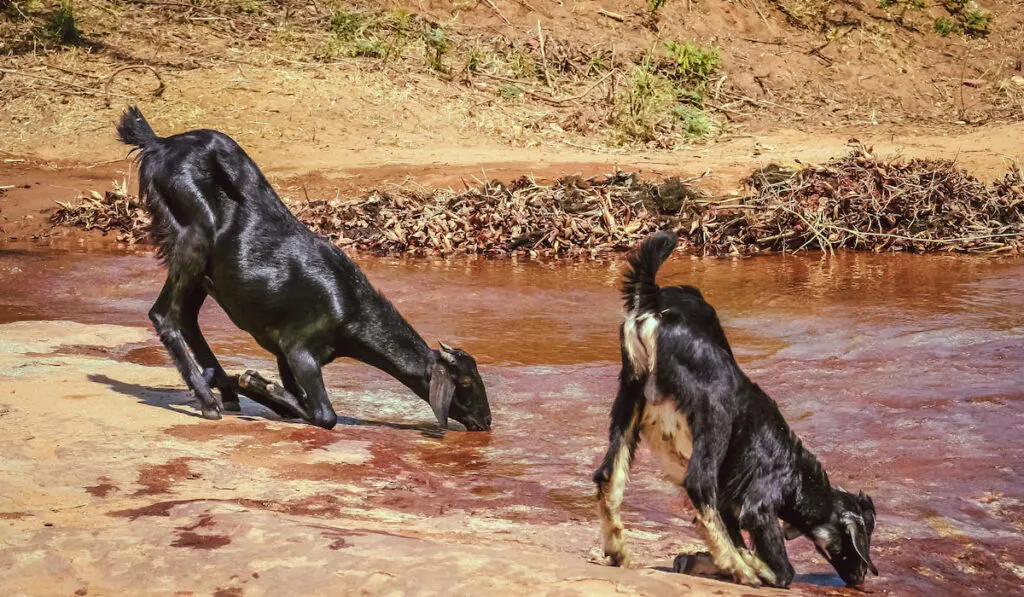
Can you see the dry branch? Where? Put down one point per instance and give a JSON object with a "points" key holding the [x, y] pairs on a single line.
{"points": [[157, 92]]}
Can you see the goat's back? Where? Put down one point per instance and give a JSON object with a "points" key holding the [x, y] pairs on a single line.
{"points": [[200, 186], [685, 306]]}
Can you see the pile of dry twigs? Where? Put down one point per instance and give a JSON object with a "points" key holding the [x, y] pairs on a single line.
{"points": [[855, 202], [861, 202], [115, 211], [573, 217]]}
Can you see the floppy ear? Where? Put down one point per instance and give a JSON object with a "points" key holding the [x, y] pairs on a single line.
{"points": [[442, 390], [790, 531], [859, 537]]}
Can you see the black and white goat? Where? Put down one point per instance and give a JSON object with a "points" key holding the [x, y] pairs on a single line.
{"points": [[222, 230], [722, 439]]}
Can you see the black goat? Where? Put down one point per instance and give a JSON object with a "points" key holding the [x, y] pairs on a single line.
{"points": [[222, 230], [722, 439]]}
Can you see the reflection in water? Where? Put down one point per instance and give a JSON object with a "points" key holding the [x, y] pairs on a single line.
{"points": [[904, 374]]}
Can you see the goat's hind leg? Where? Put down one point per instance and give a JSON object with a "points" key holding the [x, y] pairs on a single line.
{"points": [[212, 371], [169, 316], [612, 475], [254, 386]]}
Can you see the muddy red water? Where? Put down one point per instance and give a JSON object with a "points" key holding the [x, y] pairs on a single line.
{"points": [[904, 374]]}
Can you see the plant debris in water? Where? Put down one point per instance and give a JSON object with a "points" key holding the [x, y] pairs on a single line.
{"points": [[855, 202], [115, 211]]}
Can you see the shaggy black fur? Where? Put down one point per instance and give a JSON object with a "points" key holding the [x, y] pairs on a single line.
{"points": [[222, 230], [746, 462]]}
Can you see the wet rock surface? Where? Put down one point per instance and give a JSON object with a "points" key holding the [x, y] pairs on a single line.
{"points": [[902, 374]]}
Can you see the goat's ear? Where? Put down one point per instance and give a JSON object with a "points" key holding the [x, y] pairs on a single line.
{"points": [[442, 390], [865, 501], [859, 538], [447, 353], [790, 531]]}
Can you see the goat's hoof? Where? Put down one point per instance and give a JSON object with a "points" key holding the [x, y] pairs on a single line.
{"points": [[684, 563], [615, 548], [619, 559], [745, 575], [212, 412], [232, 406], [695, 563]]}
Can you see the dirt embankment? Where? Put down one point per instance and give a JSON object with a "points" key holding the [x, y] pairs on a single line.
{"points": [[334, 98], [526, 74]]}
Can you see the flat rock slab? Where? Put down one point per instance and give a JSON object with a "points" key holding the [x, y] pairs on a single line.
{"points": [[112, 485]]}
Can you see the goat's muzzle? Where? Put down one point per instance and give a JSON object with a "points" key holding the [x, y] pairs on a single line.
{"points": [[473, 424]]}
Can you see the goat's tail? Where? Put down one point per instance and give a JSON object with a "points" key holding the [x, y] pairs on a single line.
{"points": [[639, 288], [134, 130]]}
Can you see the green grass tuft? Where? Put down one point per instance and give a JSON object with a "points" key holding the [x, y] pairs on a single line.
{"points": [[62, 27], [976, 21], [945, 26], [693, 64], [695, 124], [436, 46]]}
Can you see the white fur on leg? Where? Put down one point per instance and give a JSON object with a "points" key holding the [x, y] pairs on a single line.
{"points": [[609, 497], [723, 553], [759, 567]]}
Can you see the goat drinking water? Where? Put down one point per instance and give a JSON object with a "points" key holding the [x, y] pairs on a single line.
{"points": [[222, 230], [722, 439]]}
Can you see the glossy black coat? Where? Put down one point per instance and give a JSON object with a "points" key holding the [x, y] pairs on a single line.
{"points": [[222, 231]]}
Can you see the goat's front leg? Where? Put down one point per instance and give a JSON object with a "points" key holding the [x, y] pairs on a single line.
{"points": [[168, 317], [770, 544], [306, 371], [287, 377], [701, 485], [700, 563], [612, 475]]}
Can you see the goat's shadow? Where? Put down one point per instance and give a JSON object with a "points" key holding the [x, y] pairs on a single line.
{"points": [[817, 579], [181, 402]]}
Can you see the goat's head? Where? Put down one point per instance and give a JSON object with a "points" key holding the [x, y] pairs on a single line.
{"points": [[845, 539], [457, 392]]}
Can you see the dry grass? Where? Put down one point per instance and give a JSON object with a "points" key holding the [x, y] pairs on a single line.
{"points": [[513, 78], [235, 64]]}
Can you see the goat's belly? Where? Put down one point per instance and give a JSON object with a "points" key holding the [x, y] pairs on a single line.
{"points": [[668, 435]]}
